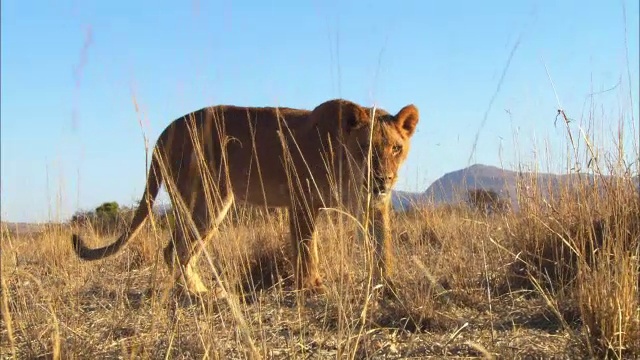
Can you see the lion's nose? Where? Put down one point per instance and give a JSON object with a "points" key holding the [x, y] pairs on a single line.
{"points": [[383, 179]]}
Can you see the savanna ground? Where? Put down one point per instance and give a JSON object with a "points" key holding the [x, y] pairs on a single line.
{"points": [[559, 278]]}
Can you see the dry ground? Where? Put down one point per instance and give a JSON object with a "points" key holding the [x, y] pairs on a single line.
{"points": [[464, 289]]}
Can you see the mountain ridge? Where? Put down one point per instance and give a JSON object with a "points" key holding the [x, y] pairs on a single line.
{"points": [[453, 186]]}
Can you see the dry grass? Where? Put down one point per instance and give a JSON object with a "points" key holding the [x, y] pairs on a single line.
{"points": [[559, 278], [556, 279]]}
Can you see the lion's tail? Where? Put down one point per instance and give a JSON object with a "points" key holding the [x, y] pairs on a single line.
{"points": [[154, 181]]}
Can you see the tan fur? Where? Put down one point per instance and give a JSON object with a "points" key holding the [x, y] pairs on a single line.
{"points": [[273, 157]]}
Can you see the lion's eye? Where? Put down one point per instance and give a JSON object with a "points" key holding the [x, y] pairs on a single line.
{"points": [[396, 149]]}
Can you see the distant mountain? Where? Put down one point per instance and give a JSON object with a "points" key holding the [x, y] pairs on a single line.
{"points": [[452, 187], [22, 227], [405, 200]]}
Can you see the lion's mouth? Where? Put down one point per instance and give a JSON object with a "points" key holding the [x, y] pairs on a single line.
{"points": [[379, 191]]}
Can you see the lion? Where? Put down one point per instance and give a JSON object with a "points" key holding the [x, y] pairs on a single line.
{"points": [[339, 152]]}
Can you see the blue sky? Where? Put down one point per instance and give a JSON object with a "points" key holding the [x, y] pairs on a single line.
{"points": [[93, 58]]}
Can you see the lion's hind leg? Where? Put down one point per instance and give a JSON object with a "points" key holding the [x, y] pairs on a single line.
{"points": [[180, 249], [189, 239], [303, 241]]}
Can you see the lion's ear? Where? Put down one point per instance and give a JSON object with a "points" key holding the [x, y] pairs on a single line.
{"points": [[407, 119], [354, 117], [350, 115]]}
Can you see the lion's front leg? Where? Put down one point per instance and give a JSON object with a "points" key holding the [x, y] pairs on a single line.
{"points": [[380, 232], [305, 250]]}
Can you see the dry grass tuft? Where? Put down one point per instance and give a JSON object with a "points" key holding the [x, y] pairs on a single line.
{"points": [[456, 290], [560, 277], [584, 255]]}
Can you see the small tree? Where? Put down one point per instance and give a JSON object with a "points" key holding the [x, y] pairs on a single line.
{"points": [[110, 217], [82, 217], [487, 201], [108, 210], [104, 219], [107, 217]]}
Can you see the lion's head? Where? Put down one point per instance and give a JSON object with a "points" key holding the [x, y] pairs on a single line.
{"points": [[376, 133]]}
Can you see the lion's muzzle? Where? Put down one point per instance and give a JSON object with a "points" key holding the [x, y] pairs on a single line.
{"points": [[381, 186]]}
